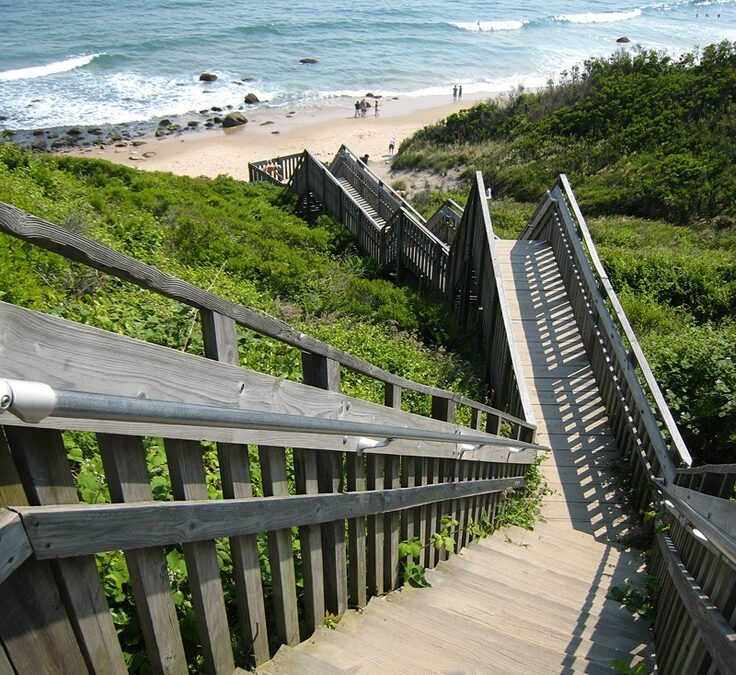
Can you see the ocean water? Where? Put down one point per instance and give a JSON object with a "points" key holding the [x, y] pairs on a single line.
{"points": [[89, 62]]}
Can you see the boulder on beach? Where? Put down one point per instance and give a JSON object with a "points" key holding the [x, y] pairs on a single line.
{"points": [[251, 98], [623, 38], [207, 77], [308, 60], [234, 119]]}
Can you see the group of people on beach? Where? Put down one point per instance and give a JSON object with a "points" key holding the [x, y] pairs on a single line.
{"points": [[361, 108], [457, 92]]}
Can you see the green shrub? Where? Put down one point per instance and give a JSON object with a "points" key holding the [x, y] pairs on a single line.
{"points": [[696, 369]]}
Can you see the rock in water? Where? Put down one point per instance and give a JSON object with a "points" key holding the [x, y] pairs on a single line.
{"points": [[207, 77], [308, 60], [623, 39], [251, 98], [234, 119]]}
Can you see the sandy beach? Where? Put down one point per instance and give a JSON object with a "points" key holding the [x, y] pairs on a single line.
{"points": [[273, 133]]}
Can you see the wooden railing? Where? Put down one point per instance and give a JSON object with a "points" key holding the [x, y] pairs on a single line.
{"points": [[377, 488], [381, 196], [45, 235], [476, 288], [694, 559], [278, 171], [445, 221], [695, 566], [717, 480], [636, 425], [411, 248], [38, 495]]}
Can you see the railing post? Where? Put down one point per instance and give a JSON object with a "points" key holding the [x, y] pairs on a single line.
{"points": [[392, 398], [324, 373], [221, 344], [444, 409]]}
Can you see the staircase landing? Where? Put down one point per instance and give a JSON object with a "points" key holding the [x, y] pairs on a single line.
{"points": [[518, 602]]}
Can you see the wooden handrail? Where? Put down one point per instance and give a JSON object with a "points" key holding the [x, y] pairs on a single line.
{"points": [[45, 235], [637, 356], [608, 347]]}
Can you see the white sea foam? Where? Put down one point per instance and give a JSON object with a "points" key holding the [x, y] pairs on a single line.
{"points": [[598, 17], [490, 25], [49, 69]]}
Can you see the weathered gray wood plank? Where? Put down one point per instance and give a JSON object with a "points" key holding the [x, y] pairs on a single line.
{"points": [[357, 580], [56, 531], [71, 356], [280, 550], [188, 482], [40, 457], [310, 538], [128, 481], [392, 481], [15, 548], [375, 523], [325, 374]]}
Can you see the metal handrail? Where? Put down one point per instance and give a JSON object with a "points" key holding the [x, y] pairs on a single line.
{"points": [[32, 402]]}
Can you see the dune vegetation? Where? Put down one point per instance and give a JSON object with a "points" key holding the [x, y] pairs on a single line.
{"points": [[648, 144]]}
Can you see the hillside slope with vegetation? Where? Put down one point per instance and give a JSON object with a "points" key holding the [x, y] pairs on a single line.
{"points": [[649, 145]]}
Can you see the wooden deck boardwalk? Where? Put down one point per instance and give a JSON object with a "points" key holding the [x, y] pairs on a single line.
{"points": [[518, 602]]}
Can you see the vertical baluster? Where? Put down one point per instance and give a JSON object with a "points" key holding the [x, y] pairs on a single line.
{"points": [[391, 526], [127, 477], [188, 482], [444, 409], [356, 536], [33, 612], [325, 374], [280, 551], [431, 555], [375, 543], [221, 344], [310, 540], [392, 398]]}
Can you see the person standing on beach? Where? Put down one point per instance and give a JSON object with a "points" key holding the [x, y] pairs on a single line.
{"points": [[460, 92], [375, 107], [454, 93], [391, 146], [357, 108]]}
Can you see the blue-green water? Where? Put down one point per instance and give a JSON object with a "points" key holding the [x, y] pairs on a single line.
{"points": [[66, 62]]}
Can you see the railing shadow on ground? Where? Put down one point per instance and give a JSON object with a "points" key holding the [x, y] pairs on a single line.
{"points": [[572, 420]]}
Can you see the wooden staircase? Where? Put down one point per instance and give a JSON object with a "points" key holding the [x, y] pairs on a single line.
{"points": [[355, 195], [518, 602]]}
